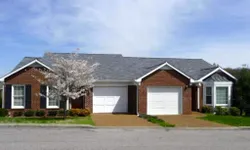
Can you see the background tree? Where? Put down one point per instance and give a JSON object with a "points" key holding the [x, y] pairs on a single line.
{"points": [[70, 77], [242, 87], [0, 99]]}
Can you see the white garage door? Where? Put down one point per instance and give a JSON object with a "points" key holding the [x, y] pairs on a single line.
{"points": [[110, 99], [164, 100]]}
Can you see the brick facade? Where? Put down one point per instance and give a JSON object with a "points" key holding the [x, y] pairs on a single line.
{"points": [[25, 77], [159, 78], [88, 100], [166, 78]]}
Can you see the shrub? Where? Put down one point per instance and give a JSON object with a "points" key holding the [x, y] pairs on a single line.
{"points": [[3, 112], [52, 113], [207, 109], [221, 111], [40, 113], [79, 112], [247, 110], [74, 112], [61, 113], [0, 99], [225, 111], [218, 110], [29, 113], [84, 112], [18, 113], [234, 111]]}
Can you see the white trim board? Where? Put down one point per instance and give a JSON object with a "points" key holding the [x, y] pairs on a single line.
{"points": [[12, 97], [159, 67], [19, 69], [214, 86], [214, 71], [47, 100]]}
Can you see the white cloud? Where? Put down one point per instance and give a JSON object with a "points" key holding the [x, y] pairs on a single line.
{"points": [[225, 54], [130, 27]]}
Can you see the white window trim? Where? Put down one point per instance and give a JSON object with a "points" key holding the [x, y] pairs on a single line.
{"points": [[47, 100], [214, 85], [12, 97]]}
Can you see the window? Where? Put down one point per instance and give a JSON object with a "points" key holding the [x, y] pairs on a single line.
{"points": [[51, 102], [18, 96], [221, 95], [208, 95]]}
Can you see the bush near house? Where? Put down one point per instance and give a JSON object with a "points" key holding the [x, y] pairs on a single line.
{"points": [[52, 113], [79, 112], [221, 111], [40, 113], [234, 111], [207, 109], [61, 113], [29, 113], [18, 114], [247, 110], [3, 112]]}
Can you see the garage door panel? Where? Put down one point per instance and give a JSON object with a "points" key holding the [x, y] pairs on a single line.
{"points": [[99, 100], [112, 99], [164, 100], [98, 108]]}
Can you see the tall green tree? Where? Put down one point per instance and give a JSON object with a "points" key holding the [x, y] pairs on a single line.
{"points": [[243, 89], [0, 99]]}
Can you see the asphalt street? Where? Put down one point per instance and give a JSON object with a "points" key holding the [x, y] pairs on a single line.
{"points": [[27, 138]]}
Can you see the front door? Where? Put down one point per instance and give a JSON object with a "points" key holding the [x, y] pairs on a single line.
{"points": [[77, 103]]}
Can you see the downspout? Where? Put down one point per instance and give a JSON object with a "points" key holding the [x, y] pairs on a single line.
{"points": [[137, 100], [3, 98], [198, 97]]}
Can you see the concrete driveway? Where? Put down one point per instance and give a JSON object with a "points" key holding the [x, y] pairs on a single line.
{"points": [[119, 120], [190, 121], [122, 139]]}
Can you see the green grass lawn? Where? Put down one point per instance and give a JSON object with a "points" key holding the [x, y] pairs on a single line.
{"points": [[229, 120], [74, 120]]}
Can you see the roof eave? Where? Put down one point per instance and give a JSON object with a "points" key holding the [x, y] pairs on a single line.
{"points": [[24, 66]]}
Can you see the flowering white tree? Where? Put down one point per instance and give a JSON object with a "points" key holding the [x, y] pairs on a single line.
{"points": [[69, 78]]}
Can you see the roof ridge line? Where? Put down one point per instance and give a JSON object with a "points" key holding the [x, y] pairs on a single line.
{"points": [[163, 58]]}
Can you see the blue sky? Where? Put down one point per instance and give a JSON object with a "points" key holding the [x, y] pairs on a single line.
{"points": [[217, 31]]}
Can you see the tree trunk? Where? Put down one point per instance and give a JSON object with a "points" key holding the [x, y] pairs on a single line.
{"points": [[64, 109]]}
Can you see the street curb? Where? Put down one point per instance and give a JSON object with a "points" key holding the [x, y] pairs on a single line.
{"points": [[119, 127], [48, 125], [209, 128], [173, 128]]}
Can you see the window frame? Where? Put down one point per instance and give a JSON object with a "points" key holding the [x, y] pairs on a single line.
{"points": [[226, 94], [214, 86], [209, 95], [47, 100], [13, 95]]}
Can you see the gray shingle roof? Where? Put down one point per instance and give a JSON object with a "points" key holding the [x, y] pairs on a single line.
{"points": [[117, 67], [217, 77]]}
